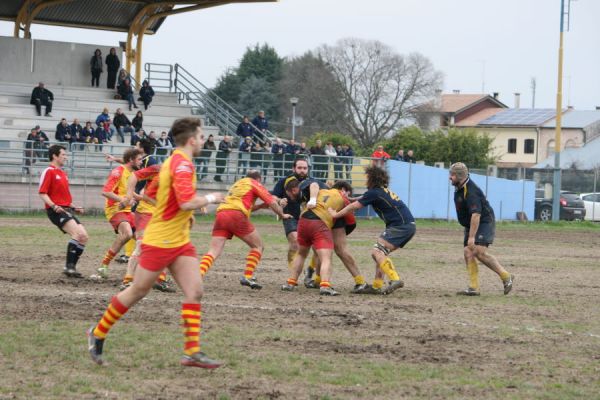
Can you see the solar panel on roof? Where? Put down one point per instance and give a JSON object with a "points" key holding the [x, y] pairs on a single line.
{"points": [[521, 117]]}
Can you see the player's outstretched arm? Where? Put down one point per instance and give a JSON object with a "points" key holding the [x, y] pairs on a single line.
{"points": [[201, 201], [314, 192], [348, 209], [279, 211]]}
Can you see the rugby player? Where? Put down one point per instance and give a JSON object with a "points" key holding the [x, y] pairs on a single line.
{"points": [[166, 244]]}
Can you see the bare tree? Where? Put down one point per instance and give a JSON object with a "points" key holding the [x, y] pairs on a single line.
{"points": [[379, 86]]}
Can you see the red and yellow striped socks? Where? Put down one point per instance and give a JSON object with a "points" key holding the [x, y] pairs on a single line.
{"points": [[108, 257], [292, 282], [114, 311], [325, 284], [162, 277], [206, 263], [252, 260], [191, 317]]}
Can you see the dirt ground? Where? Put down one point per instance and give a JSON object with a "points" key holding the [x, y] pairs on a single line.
{"points": [[540, 341]]}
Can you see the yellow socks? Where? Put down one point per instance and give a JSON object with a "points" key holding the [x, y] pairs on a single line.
{"points": [[504, 276], [377, 283], [388, 269], [129, 247], [317, 279], [473, 271], [359, 280], [290, 257], [191, 317]]}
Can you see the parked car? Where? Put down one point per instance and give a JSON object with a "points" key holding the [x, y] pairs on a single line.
{"points": [[571, 206], [591, 202]]}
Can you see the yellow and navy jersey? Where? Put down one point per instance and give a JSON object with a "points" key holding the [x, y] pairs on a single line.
{"points": [[293, 206], [469, 199], [387, 205], [327, 198], [117, 184], [243, 194], [150, 175], [169, 226]]}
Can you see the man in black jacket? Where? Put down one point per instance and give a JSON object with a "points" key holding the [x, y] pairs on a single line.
{"points": [[42, 97], [122, 123], [112, 66], [63, 132], [225, 147]]}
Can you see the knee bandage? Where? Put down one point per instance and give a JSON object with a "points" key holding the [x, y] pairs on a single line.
{"points": [[381, 248]]}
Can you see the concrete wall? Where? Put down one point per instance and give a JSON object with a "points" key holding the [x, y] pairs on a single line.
{"points": [[54, 63], [428, 193], [569, 138], [500, 145]]}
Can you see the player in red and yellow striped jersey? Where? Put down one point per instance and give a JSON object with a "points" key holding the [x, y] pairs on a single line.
{"points": [[166, 244], [117, 209], [233, 219], [314, 230]]}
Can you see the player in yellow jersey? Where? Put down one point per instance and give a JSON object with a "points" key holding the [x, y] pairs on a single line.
{"points": [[314, 230], [233, 219], [166, 244], [117, 208]]}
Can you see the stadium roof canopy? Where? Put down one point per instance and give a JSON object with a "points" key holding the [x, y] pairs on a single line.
{"points": [[112, 15]]}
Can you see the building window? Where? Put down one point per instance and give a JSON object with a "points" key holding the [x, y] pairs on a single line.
{"points": [[512, 146], [570, 144], [529, 146]]}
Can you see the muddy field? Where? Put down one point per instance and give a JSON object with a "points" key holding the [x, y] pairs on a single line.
{"points": [[541, 341]]}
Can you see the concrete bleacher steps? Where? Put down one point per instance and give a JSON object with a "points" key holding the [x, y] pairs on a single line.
{"points": [[17, 116]]}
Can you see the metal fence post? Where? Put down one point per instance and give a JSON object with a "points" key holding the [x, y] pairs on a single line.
{"points": [[85, 151]]}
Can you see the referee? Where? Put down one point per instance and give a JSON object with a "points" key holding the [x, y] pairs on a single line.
{"points": [[477, 217], [54, 191]]}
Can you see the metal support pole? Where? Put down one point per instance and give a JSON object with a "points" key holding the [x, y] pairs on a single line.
{"points": [[556, 181], [294, 122]]}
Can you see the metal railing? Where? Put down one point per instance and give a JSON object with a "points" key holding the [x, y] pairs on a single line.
{"points": [[160, 76]]}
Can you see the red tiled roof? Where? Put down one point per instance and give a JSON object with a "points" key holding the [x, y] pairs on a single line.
{"points": [[473, 120]]}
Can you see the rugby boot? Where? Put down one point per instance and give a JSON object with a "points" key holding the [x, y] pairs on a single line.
{"points": [[469, 292], [71, 272], [250, 283], [288, 288], [164, 286], [308, 276], [328, 291], [508, 284], [392, 286], [123, 259], [103, 272], [95, 346], [311, 284], [199, 360], [359, 288]]}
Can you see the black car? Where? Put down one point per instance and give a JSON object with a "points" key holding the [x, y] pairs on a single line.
{"points": [[571, 206]]}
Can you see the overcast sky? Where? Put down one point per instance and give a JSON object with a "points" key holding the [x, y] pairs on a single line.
{"points": [[499, 45]]}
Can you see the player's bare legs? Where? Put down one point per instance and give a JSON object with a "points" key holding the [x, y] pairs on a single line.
{"points": [[254, 241], [380, 254], [492, 263], [296, 269], [341, 250], [217, 243]]}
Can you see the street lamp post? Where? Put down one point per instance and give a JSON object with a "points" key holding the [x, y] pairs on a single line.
{"points": [[294, 101]]}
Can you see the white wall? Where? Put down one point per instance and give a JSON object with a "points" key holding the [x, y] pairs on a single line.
{"points": [[54, 63]]}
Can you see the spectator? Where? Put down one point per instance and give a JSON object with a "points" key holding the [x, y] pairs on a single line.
{"points": [[138, 122], [319, 160], [400, 156], [88, 133], [126, 93], [123, 75], [137, 136], [331, 154], [76, 132], [33, 150], [41, 96], [112, 68], [42, 137], [222, 155], [123, 124], [99, 138], [244, 155], [163, 146], [380, 157], [338, 163], [291, 151], [244, 129], [262, 125], [109, 128], [278, 150], [409, 157], [256, 157], [146, 94], [100, 119], [267, 157], [96, 66], [63, 132], [204, 159], [348, 161], [303, 150]]}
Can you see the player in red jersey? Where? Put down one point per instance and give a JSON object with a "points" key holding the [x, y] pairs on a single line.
{"points": [[54, 191], [117, 209], [233, 219], [166, 244]]}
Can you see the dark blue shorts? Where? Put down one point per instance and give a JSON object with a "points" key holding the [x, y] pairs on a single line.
{"points": [[399, 235], [484, 236], [290, 225]]}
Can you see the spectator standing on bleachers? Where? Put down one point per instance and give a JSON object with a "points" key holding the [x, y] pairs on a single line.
{"points": [[303, 150], [32, 151], [112, 68], [291, 151], [380, 157], [63, 132], [205, 154], [338, 163], [409, 157], [126, 93], [40, 96], [163, 146], [399, 155], [319, 160], [244, 129], [278, 150], [244, 156], [225, 147], [331, 154], [146, 94], [138, 122], [262, 125], [122, 123], [348, 160], [96, 66]]}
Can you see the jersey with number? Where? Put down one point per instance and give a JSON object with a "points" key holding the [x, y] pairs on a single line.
{"points": [[387, 205], [149, 176], [55, 184], [243, 194], [117, 184], [170, 225], [327, 198]]}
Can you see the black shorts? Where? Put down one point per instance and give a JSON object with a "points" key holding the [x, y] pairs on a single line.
{"points": [[290, 225], [484, 236], [341, 223], [60, 219], [399, 235]]}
